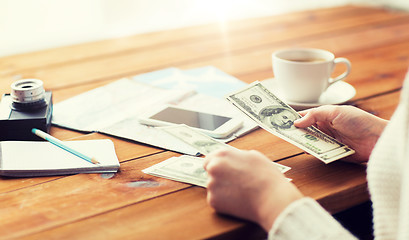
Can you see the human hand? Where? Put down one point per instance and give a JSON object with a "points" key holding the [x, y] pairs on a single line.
{"points": [[352, 126], [247, 185]]}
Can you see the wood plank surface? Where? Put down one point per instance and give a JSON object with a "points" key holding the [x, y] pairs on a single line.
{"points": [[251, 50], [131, 204], [174, 219], [104, 49], [173, 214], [68, 199]]}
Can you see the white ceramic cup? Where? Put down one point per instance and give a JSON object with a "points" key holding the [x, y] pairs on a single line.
{"points": [[303, 74]]}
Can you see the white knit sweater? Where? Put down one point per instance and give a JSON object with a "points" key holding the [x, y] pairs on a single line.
{"points": [[388, 182]]}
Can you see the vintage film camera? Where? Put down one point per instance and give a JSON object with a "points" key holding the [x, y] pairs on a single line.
{"points": [[27, 106]]}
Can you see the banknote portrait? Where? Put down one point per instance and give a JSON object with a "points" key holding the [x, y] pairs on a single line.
{"points": [[279, 117]]}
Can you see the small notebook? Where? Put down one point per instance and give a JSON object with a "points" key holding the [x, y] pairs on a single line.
{"points": [[33, 158]]}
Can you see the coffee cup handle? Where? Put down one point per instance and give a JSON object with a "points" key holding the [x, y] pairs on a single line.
{"points": [[344, 74]]}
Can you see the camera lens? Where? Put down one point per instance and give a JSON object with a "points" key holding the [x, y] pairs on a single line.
{"points": [[28, 94]]}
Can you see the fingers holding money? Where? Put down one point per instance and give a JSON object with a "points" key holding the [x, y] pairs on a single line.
{"points": [[218, 157], [321, 117], [314, 115], [278, 118], [350, 125], [189, 169], [240, 178]]}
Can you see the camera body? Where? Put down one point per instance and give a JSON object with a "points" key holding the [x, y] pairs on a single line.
{"points": [[19, 116]]}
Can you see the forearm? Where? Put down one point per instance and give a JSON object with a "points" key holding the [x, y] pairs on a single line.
{"points": [[306, 219]]}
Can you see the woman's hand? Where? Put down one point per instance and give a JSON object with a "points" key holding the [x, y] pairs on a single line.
{"points": [[247, 185], [352, 126]]}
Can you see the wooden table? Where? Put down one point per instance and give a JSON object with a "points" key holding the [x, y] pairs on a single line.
{"points": [[133, 205]]}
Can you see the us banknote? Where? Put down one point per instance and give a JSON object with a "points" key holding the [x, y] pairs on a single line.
{"points": [[204, 143], [188, 169], [185, 168], [200, 141], [275, 116]]}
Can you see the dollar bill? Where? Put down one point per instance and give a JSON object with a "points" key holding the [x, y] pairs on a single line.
{"points": [[275, 116], [282, 168], [187, 169], [203, 143]]}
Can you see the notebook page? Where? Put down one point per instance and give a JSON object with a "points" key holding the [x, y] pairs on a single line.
{"points": [[32, 155]]}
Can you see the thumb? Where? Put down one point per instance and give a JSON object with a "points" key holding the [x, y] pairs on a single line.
{"points": [[313, 116]]}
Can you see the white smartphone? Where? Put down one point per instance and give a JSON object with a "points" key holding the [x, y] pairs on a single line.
{"points": [[213, 125]]}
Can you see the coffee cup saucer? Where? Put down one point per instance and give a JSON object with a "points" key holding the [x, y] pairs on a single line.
{"points": [[338, 93]]}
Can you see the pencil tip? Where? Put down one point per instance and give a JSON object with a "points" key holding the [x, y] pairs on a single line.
{"points": [[94, 161]]}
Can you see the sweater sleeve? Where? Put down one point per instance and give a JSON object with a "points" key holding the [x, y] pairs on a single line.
{"points": [[306, 219]]}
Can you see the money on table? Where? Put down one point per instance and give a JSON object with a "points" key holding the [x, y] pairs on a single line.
{"points": [[203, 143], [187, 169], [275, 116]]}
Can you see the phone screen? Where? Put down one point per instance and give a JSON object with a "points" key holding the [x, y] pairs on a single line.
{"points": [[194, 119]]}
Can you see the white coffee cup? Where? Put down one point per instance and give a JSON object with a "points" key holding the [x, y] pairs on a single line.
{"points": [[303, 74]]}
